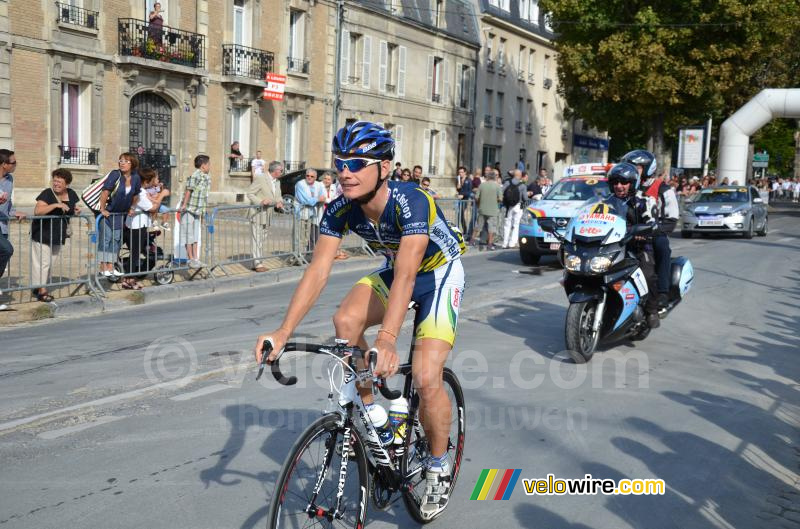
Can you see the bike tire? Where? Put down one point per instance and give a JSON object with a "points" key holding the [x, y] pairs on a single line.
{"points": [[416, 447], [287, 508]]}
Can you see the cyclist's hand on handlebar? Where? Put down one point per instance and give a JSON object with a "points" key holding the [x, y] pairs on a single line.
{"points": [[387, 363], [279, 338]]}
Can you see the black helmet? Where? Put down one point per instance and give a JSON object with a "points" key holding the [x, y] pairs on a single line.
{"points": [[626, 173], [643, 158]]}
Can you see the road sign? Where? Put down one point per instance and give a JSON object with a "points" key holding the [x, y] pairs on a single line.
{"points": [[691, 144], [276, 85], [760, 159]]}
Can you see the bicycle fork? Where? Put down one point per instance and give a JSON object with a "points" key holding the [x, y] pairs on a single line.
{"points": [[336, 513]]}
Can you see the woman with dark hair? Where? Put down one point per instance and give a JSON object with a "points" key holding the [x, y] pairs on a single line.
{"points": [[119, 197], [49, 234]]}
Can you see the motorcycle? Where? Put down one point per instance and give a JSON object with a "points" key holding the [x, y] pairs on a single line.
{"points": [[604, 283]]}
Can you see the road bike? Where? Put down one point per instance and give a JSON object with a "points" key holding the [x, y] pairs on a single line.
{"points": [[315, 488]]}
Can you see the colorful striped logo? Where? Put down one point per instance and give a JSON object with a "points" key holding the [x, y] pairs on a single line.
{"points": [[496, 484]]}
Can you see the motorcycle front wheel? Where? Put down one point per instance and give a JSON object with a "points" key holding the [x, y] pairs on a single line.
{"points": [[581, 340]]}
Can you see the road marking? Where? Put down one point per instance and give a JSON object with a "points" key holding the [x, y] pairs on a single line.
{"points": [[55, 434], [551, 285], [786, 239], [181, 397]]}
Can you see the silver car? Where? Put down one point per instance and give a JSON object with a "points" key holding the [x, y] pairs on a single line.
{"points": [[726, 209]]}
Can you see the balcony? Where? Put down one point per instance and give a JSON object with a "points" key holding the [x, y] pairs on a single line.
{"points": [[487, 121], [292, 165], [69, 14], [501, 69], [531, 78], [242, 61], [490, 65], [353, 79], [296, 65], [547, 84], [528, 128], [137, 38], [78, 155], [498, 122], [240, 165], [518, 126], [436, 98], [390, 88], [431, 169], [543, 131], [520, 75]]}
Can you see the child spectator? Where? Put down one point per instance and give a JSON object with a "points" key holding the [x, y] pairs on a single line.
{"points": [[195, 200], [157, 192]]}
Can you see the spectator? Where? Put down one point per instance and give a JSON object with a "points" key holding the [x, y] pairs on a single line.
{"points": [[332, 191], [465, 195], [535, 189], [425, 184], [193, 206], [476, 180], [796, 190], [156, 193], [514, 194], [236, 157], [265, 192], [137, 226], [417, 175], [310, 195], [488, 197], [155, 24], [119, 196], [398, 171], [544, 180], [257, 166], [405, 176], [48, 235], [8, 162]]}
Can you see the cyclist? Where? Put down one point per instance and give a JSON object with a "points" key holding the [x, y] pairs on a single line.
{"points": [[422, 264]]}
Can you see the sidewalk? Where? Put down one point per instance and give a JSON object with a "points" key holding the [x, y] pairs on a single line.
{"points": [[77, 306]]}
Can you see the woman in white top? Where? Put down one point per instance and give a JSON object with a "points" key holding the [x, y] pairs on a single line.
{"points": [[137, 224]]}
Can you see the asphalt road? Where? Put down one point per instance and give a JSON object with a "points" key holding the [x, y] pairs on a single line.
{"points": [[151, 417]]}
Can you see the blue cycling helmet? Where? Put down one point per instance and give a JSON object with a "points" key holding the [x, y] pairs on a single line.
{"points": [[626, 173], [363, 138], [643, 158]]}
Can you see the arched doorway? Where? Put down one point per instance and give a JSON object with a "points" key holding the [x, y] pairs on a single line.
{"points": [[150, 122]]}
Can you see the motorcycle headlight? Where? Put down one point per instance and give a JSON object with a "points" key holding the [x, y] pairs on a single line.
{"points": [[600, 263], [572, 263]]}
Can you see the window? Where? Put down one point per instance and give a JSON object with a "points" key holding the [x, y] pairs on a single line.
{"points": [[366, 61], [241, 28], [543, 123], [520, 63], [297, 40], [524, 9], [350, 66], [432, 151], [498, 120], [546, 67], [76, 117], [505, 5], [519, 114], [494, 3], [464, 88], [489, 45], [501, 51], [488, 101], [531, 61], [548, 22], [439, 13], [240, 128], [491, 155], [388, 67], [435, 78], [533, 12], [292, 150]]}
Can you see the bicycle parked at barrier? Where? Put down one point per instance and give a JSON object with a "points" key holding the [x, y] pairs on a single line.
{"points": [[315, 485]]}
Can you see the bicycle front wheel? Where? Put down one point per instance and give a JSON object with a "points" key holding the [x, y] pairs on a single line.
{"points": [[412, 464], [306, 491]]}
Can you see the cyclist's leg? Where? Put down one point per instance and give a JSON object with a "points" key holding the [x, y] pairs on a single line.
{"points": [[430, 355]]}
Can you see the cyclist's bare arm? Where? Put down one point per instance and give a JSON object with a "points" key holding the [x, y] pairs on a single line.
{"points": [[305, 296], [406, 264]]}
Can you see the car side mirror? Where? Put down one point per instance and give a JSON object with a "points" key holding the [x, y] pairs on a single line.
{"points": [[758, 201], [547, 225]]}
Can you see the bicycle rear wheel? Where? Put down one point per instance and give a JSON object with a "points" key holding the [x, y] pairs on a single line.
{"points": [[315, 461], [418, 449]]}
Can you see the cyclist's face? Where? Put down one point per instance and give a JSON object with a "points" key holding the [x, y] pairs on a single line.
{"points": [[359, 183]]}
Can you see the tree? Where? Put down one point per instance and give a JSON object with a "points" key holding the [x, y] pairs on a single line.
{"points": [[633, 64], [777, 138]]}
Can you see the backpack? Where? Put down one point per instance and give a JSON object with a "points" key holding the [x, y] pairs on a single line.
{"points": [[511, 195], [91, 195]]}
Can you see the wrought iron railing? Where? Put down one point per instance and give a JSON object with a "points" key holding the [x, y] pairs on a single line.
{"points": [[240, 165], [137, 38], [436, 98], [487, 120], [246, 62], [390, 88], [520, 75], [79, 155], [353, 79], [498, 122], [489, 65], [292, 165], [531, 78], [528, 128], [77, 15], [518, 126], [296, 65]]}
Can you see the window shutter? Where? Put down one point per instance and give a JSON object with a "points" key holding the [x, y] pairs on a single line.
{"points": [[365, 71], [426, 150], [429, 95], [398, 143], [384, 58], [446, 95], [344, 73], [442, 153], [401, 71], [459, 82], [471, 88]]}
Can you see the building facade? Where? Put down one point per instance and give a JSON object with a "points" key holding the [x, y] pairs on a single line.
{"points": [[413, 70], [82, 81], [521, 116]]}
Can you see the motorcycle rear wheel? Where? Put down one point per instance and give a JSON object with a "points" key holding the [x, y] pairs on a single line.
{"points": [[581, 340]]}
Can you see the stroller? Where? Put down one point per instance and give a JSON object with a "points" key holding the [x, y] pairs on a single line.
{"points": [[146, 259]]}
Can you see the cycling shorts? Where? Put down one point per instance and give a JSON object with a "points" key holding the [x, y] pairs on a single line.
{"points": [[438, 294]]}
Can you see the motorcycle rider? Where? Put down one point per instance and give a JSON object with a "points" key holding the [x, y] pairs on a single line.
{"points": [[623, 179], [667, 217]]}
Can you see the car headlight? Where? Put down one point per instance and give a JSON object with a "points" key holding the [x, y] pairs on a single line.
{"points": [[572, 263], [527, 218], [600, 263]]}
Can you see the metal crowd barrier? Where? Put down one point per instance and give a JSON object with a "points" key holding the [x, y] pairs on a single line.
{"points": [[63, 269]]}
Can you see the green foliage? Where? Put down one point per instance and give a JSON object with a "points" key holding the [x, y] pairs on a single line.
{"points": [[777, 138], [628, 64]]}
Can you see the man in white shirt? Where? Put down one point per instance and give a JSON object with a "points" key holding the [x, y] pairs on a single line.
{"points": [[257, 166]]}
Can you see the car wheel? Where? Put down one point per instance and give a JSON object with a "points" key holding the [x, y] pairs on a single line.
{"points": [[529, 258], [763, 231], [748, 233], [288, 203], [686, 234]]}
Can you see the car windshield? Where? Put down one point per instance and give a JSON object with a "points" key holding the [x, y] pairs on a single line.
{"points": [[578, 189], [722, 195]]}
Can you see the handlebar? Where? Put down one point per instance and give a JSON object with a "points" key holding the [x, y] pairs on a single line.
{"points": [[339, 350]]}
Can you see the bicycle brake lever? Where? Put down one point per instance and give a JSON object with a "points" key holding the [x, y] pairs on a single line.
{"points": [[266, 349]]}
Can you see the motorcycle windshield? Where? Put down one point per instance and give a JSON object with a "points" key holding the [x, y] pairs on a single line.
{"points": [[597, 223]]}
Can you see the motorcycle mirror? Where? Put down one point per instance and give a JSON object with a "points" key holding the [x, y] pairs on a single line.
{"points": [[547, 225]]}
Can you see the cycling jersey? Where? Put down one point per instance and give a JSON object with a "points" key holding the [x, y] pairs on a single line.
{"points": [[409, 211]]}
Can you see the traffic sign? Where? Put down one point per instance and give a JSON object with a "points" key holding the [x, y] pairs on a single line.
{"points": [[276, 84], [760, 159]]}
